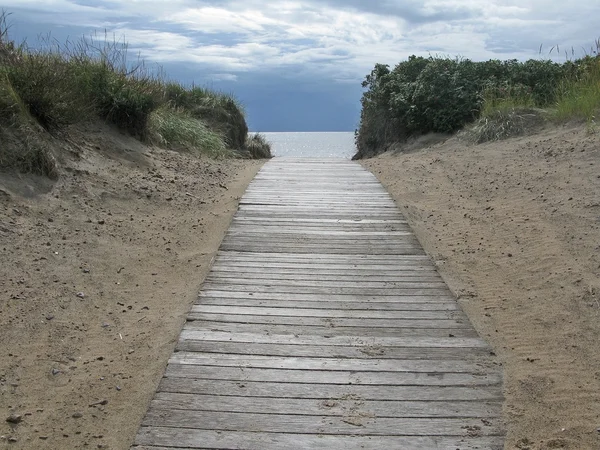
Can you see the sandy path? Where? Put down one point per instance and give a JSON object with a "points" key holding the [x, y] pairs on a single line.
{"points": [[515, 230], [133, 233]]}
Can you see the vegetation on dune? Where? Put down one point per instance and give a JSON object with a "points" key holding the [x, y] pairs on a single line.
{"points": [[178, 129], [44, 90], [258, 147], [219, 111], [497, 99], [579, 96]]}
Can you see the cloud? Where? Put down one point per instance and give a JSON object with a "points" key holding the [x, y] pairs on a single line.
{"points": [[219, 20], [337, 39]]}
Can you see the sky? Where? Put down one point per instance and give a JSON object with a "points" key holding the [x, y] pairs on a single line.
{"points": [[298, 65]]}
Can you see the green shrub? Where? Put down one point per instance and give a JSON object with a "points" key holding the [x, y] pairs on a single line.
{"points": [[177, 129], [22, 148], [10, 103], [219, 111], [44, 85], [128, 101], [442, 95], [379, 126], [503, 123], [579, 96], [258, 147]]}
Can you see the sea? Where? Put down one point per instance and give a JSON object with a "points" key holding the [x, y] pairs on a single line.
{"points": [[312, 144]]}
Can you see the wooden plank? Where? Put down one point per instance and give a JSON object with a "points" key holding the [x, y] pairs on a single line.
{"points": [[314, 201], [330, 377], [241, 266], [410, 283], [339, 215], [327, 364], [430, 297], [328, 280], [352, 425], [324, 268], [327, 313], [309, 233], [210, 439], [325, 407], [201, 319], [321, 258], [318, 230], [230, 287], [242, 324], [321, 221], [449, 342], [248, 388], [288, 239], [359, 351], [343, 250], [329, 304]]}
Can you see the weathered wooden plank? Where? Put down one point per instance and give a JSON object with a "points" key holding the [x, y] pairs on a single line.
{"points": [[224, 270], [391, 250], [430, 297], [314, 201], [449, 342], [407, 282], [396, 291], [321, 258], [292, 240], [325, 407], [308, 233], [327, 364], [347, 215], [248, 388], [353, 424], [321, 221], [241, 266], [203, 320], [329, 239], [331, 377], [327, 313], [355, 225], [329, 304], [244, 324], [210, 439], [359, 351], [324, 268], [321, 209]]}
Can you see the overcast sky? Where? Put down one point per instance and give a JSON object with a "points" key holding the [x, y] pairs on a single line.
{"points": [[297, 65]]}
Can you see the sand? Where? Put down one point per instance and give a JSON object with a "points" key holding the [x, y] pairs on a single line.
{"points": [[514, 228], [97, 272]]}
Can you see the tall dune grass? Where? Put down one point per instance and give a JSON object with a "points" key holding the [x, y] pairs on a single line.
{"points": [[579, 97], [54, 85]]}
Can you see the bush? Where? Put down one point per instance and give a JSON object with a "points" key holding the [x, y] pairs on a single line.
{"points": [[176, 129], [219, 111], [22, 148], [128, 102], [503, 123], [442, 95], [579, 96], [258, 147], [43, 83]]}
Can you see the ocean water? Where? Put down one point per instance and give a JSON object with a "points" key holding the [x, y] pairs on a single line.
{"points": [[312, 144]]}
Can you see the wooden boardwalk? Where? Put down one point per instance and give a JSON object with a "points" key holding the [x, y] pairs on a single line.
{"points": [[323, 324]]}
